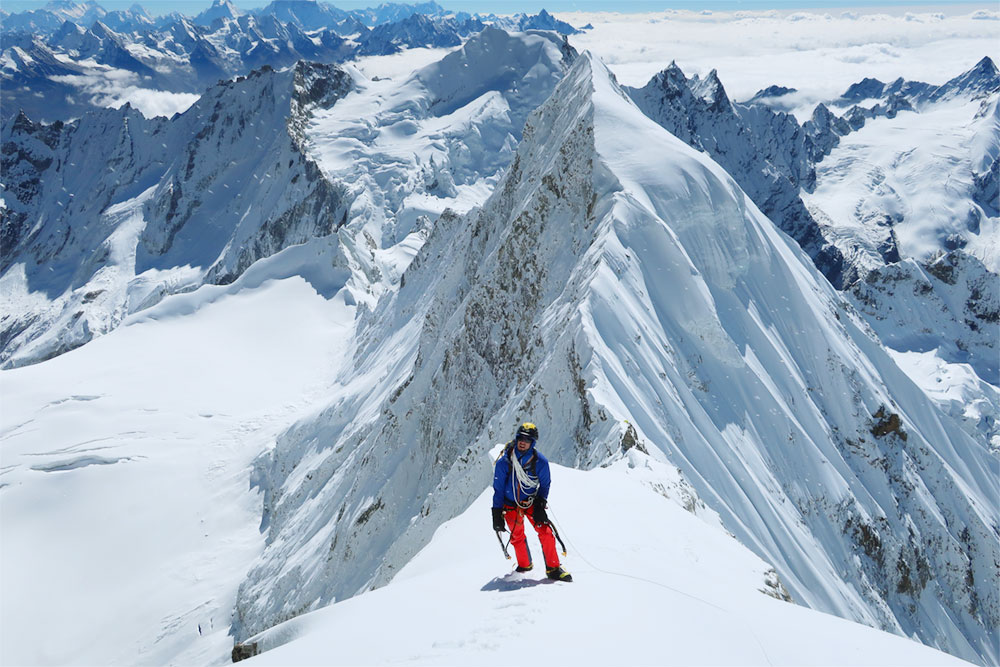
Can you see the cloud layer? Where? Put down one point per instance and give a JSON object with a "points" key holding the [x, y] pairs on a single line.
{"points": [[818, 53]]}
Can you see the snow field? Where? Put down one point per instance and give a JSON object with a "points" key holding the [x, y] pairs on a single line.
{"points": [[127, 514]]}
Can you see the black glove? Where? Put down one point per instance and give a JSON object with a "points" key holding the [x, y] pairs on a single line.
{"points": [[538, 514], [498, 522]]}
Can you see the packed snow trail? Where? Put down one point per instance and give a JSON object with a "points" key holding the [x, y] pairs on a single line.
{"points": [[653, 584]]}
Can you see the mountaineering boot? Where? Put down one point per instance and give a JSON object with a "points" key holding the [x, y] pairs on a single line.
{"points": [[523, 569], [558, 574]]}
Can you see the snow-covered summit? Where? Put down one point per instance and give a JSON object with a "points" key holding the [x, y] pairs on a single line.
{"points": [[220, 10], [656, 586], [619, 289], [391, 38], [522, 22]]}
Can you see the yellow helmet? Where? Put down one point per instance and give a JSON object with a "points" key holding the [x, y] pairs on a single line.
{"points": [[528, 431]]}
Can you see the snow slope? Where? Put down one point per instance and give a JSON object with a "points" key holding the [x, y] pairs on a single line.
{"points": [[437, 137], [618, 287], [128, 520], [653, 585]]}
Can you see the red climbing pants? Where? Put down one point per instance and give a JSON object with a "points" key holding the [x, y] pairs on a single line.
{"points": [[515, 521]]}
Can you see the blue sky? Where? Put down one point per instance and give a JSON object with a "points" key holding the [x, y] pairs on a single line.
{"points": [[192, 7]]}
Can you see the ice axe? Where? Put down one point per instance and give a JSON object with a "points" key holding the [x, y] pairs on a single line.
{"points": [[503, 546]]}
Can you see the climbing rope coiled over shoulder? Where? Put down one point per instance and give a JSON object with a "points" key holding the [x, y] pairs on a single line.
{"points": [[523, 484]]}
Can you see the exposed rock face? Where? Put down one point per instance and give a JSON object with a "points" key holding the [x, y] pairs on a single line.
{"points": [[951, 304]]}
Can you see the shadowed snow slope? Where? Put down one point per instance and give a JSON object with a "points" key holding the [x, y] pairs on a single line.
{"points": [[619, 289], [651, 586]]}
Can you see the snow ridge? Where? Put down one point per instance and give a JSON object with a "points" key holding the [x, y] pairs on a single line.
{"points": [[604, 298]]}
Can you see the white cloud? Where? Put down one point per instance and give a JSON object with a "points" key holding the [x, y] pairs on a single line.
{"points": [[113, 88], [984, 15], [815, 52], [152, 103]]}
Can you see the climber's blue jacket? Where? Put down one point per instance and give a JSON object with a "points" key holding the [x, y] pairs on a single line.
{"points": [[506, 490]]}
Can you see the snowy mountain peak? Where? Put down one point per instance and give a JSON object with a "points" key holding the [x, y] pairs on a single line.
{"points": [[491, 60], [68, 29], [68, 9], [220, 10], [980, 81], [710, 90], [865, 89], [671, 79], [987, 66]]}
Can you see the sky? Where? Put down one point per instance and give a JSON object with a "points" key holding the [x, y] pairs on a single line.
{"points": [[192, 7]]}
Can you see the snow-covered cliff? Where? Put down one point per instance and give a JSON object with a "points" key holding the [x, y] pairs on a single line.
{"points": [[767, 152], [96, 229]]}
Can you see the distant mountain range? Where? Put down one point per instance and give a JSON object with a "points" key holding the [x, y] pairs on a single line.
{"points": [[63, 60], [513, 233]]}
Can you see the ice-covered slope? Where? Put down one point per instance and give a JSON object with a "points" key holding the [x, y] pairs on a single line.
{"points": [[911, 179], [438, 138], [654, 586], [619, 289]]}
